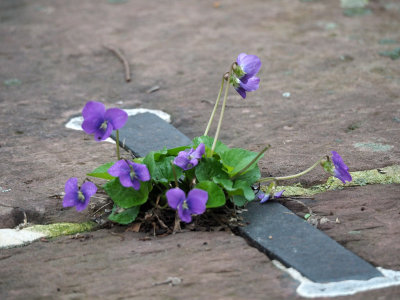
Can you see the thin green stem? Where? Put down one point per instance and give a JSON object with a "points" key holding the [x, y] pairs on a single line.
{"points": [[291, 176], [174, 172], [117, 143], [222, 110], [250, 163], [215, 106]]}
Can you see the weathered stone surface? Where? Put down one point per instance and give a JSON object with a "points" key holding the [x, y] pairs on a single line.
{"points": [[333, 103], [279, 233], [55, 50], [108, 264], [146, 132], [10, 217]]}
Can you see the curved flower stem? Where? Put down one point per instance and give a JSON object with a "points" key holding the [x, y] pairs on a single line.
{"points": [[222, 110], [250, 163], [215, 106], [266, 179], [117, 143]]}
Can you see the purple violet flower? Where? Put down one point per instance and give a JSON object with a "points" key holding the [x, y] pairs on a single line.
{"points": [[265, 197], [78, 198], [244, 79], [341, 171], [188, 159], [101, 122], [194, 204], [130, 174]]}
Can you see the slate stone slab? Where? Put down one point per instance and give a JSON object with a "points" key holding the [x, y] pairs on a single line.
{"points": [[282, 235], [272, 228], [146, 132]]}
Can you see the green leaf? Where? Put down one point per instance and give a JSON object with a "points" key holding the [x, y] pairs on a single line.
{"points": [[239, 187], [226, 183], [251, 176], [158, 154], [101, 172], [216, 196], [124, 216], [175, 151], [209, 168], [161, 170], [245, 189], [234, 160], [127, 197], [239, 200], [208, 141]]}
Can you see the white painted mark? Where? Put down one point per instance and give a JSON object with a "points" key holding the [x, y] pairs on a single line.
{"points": [[76, 122], [310, 289], [12, 237]]}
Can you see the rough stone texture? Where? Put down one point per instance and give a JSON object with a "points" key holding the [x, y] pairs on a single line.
{"points": [[10, 216], [344, 97], [112, 265], [299, 245], [336, 78]]}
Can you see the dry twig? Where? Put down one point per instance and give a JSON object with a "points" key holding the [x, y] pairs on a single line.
{"points": [[122, 58]]}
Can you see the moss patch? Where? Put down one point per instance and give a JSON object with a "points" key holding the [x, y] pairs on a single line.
{"points": [[59, 229], [386, 175]]}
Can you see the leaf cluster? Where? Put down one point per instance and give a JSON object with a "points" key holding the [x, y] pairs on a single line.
{"points": [[222, 173]]}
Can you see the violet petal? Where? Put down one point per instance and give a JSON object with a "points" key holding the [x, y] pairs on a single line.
{"points": [[101, 134], [71, 186], [91, 125], [88, 189], [241, 92], [126, 180], [117, 117], [251, 64], [82, 205], [196, 201], [199, 152], [240, 58], [119, 168], [93, 109], [341, 169], [141, 171], [184, 214], [175, 196], [136, 184], [70, 199], [192, 163], [278, 194], [182, 160], [263, 197], [252, 84]]}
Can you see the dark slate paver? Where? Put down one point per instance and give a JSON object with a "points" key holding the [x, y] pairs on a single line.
{"points": [[282, 235], [146, 132], [272, 228]]}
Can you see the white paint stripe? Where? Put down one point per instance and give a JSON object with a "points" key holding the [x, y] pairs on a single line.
{"points": [[12, 237], [76, 122], [310, 289]]}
